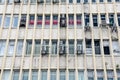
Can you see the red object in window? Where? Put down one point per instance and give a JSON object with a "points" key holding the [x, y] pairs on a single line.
{"points": [[47, 22], [78, 22], [55, 22], [71, 22], [39, 22], [31, 22]]}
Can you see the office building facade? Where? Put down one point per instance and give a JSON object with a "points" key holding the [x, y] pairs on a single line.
{"points": [[59, 40]]}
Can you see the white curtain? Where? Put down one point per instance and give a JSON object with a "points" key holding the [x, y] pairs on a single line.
{"points": [[11, 47]]}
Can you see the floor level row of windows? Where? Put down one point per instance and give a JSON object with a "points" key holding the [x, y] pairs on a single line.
{"points": [[63, 20], [71, 75], [62, 46]]}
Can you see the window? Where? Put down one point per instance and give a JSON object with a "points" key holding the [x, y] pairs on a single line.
{"points": [[97, 46], [34, 74], [62, 75], [10, 1], [95, 21], [33, 1], [44, 75], [63, 20], [106, 47], [2, 46], [90, 75], [37, 47], [63, 1], [25, 1], [28, 47], [109, 0], [85, 1], [86, 19], [53, 75], [39, 21], [45, 47], [110, 75], [78, 1], [100, 75], [55, 21], [7, 21], [71, 75], [79, 20], [70, 1], [116, 47], [71, 20], [15, 21], [16, 74], [94, 1], [71, 46], [118, 17], [11, 47], [0, 19], [118, 74], [117, 0], [25, 75], [62, 47], [54, 46], [80, 75], [6, 73], [48, 1], [19, 47], [47, 21], [23, 21], [88, 46], [100, 0], [1, 1], [79, 47], [103, 17], [31, 20], [111, 19]]}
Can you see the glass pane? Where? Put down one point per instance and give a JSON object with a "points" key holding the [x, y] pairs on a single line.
{"points": [[80, 75], [37, 47], [15, 21], [53, 75], [19, 47], [7, 21], [35, 75], [2, 46], [44, 75], [62, 75], [71, 75], [29, 47], [16, 75], [11, 47], [6, 74], [25, 75]]}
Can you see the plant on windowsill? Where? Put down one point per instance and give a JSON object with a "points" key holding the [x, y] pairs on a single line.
{"points": [[117, 67]]}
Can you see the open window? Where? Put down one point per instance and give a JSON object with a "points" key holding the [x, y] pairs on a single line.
{"points": [[62, 47], [79, 47], [97, 46], [23, 21], [45, 47], [71, 46], [88, 46], [106, 47], [63, 20]]}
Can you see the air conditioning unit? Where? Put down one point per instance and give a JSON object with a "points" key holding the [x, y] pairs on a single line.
{"points": [[40, 1], [87, 27], [16, 1], [114, 28], [103, 23], [79, 49], [44, 50], [22, 23]]}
